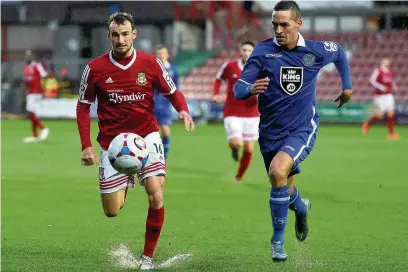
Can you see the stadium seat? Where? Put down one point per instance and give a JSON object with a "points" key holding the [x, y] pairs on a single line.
{"points": [[371, 48]]}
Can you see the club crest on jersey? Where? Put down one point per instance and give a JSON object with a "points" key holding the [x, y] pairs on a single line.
{"points": [[308, 60], [141, 78], [291, 79]]}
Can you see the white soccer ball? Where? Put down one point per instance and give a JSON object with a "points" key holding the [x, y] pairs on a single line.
{"points": [[128, 153]]}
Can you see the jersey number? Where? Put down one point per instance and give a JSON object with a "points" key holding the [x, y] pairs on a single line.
{"points": [[158, 148]]}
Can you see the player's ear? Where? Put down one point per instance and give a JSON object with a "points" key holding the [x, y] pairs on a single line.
{"points": [[108, 35], [300, 23], [134, 32]]}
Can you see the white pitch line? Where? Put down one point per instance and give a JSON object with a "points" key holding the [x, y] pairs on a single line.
{"points": [[124, 258], [173, 260]]}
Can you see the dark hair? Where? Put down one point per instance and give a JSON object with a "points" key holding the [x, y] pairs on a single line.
{"points": [[120, 18], [248, 42], [161, 46], [288, 5]]}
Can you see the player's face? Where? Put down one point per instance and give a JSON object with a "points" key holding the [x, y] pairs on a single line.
{"points": [[163, 55], [386, 63], [121, 37], [245, 51], [286, 27]]}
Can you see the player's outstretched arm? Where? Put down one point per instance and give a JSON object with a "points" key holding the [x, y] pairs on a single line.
{"points": [[374, 82], [221, 75], [166, 86], [335, 53], [216, 90], [248, 84], [84, 128], [87, 96]]}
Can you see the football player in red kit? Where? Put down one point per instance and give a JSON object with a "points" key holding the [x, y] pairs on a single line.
{"points": [[33, 73], [241, 117], [383, 82], [123, 82]]}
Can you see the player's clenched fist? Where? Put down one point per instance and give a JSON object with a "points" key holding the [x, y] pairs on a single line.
{"points": [[88, 157], [188, 120], [259, 86]]}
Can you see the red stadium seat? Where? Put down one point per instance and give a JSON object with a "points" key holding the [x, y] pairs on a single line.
{"points": [[363, 61]]}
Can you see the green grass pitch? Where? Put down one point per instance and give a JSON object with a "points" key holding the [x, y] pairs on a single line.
{"points": [[52, 218]]}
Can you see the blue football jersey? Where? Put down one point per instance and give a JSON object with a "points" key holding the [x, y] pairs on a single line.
{"points": [[288, 104]]}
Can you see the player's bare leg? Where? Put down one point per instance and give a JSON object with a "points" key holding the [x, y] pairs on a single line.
{"points": [[372, 120], [165, 135], [155, 218], [245, 160], [390, 124], [279, 199], [113, 202], [235, 144], [301, 208]]}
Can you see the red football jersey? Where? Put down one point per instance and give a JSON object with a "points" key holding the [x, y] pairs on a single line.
{"points": [[125, 92], [382, 80], [231, 71], [33, 73]]}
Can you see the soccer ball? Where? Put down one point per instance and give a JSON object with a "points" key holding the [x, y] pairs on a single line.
{"points": [[128, 153]]}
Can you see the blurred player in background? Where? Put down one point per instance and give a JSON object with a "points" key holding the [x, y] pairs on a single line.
{"points": [[123, 82], [283, 71], [241, 117], [33, 73], [383, 82], [162, 106]]}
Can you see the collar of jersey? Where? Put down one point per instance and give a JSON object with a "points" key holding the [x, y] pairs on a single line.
{"points": [[117, 64], [301, 41]]}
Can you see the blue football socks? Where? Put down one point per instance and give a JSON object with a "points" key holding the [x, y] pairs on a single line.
{"points": [[296, 204], [279, 205], [166, 146]]}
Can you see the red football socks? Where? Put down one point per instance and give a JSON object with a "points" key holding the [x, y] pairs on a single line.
{"points": [[243, 164], [372, 120], [390, 124], [154, 224], [35, 123]]}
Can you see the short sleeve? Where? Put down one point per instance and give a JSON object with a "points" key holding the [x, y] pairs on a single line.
{"points": [[87, 92], [163, 82]]}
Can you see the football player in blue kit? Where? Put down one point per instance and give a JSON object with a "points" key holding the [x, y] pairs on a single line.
{"points": [[283, 72], [162, 106]]}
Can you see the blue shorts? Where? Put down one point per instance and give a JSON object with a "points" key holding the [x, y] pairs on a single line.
{"points": [[297, 145], [163, 114]]}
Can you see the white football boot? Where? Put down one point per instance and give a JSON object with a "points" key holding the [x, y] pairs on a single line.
{"points": [[146, 263], [44, 134]]}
